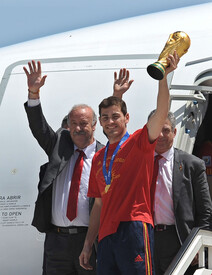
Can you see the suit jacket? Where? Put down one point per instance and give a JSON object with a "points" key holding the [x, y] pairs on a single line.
{"points": [[191, 197], [59, 147]]}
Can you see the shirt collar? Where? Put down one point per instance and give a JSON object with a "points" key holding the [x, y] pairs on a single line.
{"points": [[168, 155], [88, 151]]}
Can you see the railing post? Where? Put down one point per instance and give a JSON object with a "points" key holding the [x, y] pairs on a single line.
{"points": [[209, 257], [202, 257]]}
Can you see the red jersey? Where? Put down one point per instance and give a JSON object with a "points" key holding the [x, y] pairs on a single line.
{"points": [[128, 197]]}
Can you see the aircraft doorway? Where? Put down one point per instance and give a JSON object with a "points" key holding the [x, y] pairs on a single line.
{"points": [[203, 142]]}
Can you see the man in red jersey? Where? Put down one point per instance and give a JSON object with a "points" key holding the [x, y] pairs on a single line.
{"points": [[120, 181]]}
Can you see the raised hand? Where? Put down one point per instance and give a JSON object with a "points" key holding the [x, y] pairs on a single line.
{"points": [[34, 77], [122, 83], [173, 60]]}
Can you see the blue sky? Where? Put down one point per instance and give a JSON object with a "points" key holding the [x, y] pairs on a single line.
{"points": [[22, 20]]}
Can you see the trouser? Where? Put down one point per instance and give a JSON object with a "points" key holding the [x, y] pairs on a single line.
{"points": [[166, 246], [128, 251], [61, 254]]}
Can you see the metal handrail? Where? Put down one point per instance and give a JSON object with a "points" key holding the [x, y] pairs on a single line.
{"points": [[196, 242]]}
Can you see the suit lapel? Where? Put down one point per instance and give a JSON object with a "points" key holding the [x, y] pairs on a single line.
{"points": [[68, 152], [178, 170], [99, 146], [61, 160], [66, 155]]}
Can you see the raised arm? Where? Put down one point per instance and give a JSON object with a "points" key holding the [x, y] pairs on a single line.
{"points": [[35, 80], [44, 134], [157, 120], [122, 83]]}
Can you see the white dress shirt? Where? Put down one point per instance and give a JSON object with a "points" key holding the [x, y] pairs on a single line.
{"points": [[163, 205], [61, 187], [33, 102]]}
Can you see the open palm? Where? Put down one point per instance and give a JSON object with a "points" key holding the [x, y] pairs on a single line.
{"points": [[122, 83], [34, 77]]}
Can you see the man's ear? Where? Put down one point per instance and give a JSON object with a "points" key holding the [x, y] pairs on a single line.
{"points": [[100, 120], [127, 118], [94, 127]]}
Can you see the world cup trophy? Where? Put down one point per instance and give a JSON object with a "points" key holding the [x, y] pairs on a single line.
{"points": [[178, 41]]}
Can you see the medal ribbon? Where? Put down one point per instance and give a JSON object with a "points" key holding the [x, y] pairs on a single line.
{"points": [[107, 175]]}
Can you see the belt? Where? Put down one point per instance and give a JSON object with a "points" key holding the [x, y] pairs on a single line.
{"points": [[163, 227], [70, 229]]}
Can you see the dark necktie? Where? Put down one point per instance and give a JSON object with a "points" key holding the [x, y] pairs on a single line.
{"points": [[154, 179], [74, 189]]}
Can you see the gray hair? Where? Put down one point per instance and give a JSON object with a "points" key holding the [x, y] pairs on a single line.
{"points": [[82, 106], [170, 117]]}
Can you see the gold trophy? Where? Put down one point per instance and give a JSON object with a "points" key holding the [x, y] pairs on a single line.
{"points": [[178, 41]]}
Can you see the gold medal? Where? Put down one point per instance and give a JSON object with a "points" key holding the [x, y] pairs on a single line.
{"points": [[107, 188]]}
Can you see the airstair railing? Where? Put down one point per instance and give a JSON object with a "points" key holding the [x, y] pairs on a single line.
{"points": [[199, 241]]}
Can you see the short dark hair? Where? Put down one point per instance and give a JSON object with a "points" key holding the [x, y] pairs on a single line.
{"points": [[113, 100]]}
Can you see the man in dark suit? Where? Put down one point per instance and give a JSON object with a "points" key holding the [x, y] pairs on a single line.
{"points": [[182, 199], [65, 232]]}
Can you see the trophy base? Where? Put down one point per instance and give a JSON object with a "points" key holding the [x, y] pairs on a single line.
{"points": [[156, 70]]}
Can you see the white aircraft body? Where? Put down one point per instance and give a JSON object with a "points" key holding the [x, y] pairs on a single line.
{"points": [[80, 66]]}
